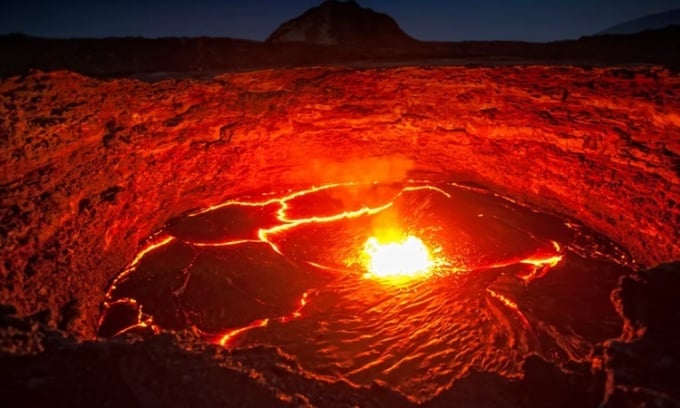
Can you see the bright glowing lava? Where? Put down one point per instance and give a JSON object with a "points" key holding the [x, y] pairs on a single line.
{"points": [[338, 277], [407, 258]]}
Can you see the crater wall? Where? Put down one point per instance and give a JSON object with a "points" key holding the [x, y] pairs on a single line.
{"points": [[90, 168]]}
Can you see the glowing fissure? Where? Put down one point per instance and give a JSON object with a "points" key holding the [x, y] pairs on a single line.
{"points": [[157, 241], [154, 243], [224, 338], [511, 305], [143, 320], [270, 201], [264, 234], [225, 243]]}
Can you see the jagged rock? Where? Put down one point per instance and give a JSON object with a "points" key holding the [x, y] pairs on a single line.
{"points": [[643, 364]]}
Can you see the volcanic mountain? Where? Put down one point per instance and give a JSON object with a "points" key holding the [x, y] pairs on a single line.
{"points": [[650, 22], [346, 24]]}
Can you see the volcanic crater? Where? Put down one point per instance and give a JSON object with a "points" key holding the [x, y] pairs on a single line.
{"points": [[107, 182]]}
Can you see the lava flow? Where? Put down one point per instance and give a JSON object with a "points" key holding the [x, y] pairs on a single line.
{"points": [[412, 284]]}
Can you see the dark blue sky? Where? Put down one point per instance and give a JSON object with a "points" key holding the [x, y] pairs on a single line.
{"points": [[531, 20]]}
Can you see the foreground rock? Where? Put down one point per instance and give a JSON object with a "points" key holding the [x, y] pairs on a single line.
{"points": [[643, 364], [177, 370]]}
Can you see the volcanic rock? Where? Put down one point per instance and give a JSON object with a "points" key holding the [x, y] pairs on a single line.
{"points": [[643, 364], [344, 23], [90, 168]]}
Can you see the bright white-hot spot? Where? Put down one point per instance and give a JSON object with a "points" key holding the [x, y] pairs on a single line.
{"points": [[406, 258]]}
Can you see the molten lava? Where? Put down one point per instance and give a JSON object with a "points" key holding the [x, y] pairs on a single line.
{"points": [[406, 258], [289, 271]]}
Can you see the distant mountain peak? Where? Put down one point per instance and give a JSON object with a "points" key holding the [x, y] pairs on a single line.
{"points": [[650, 22], [343, 23], [346, 2]]}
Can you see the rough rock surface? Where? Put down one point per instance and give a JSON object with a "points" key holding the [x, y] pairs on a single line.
{"points": [[643, 364], [178, 370], [90, 168]]}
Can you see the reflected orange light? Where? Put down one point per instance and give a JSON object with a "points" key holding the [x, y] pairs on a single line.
{"points": [[405, 258]]}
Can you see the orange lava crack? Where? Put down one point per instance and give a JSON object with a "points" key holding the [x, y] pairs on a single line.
{"points": [[224, 338], [510, 304]]}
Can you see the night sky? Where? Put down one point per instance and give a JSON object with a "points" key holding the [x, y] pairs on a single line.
{"points": [[452, 20]]}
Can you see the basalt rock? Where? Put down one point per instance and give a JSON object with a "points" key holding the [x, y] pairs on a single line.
{"points": [[643, 364]]}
